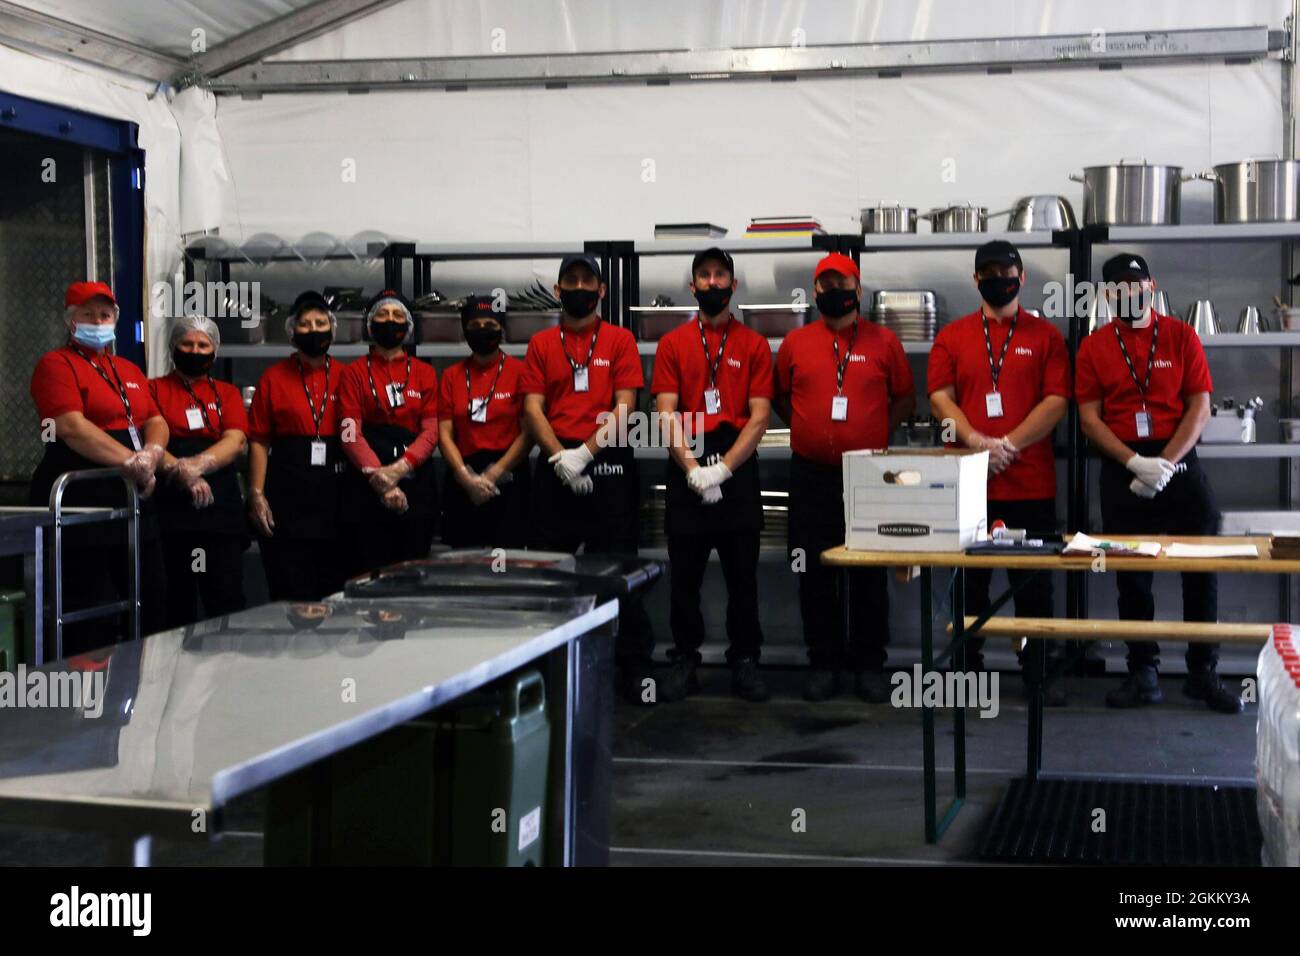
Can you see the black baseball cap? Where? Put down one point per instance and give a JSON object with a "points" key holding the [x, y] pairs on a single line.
{"points": [[1126, 265], [311, 299], [383, 294], [717, 255], [481, 306], [586, 259], [999, 252]]}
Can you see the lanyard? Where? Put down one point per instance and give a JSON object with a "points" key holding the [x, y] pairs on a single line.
{"points": [[316, 416], [121, 389], [591, 350], [1151, 360], [374, 394], [469, 396], [717, 361], [842, 364], [996, 370], [203, 409]]}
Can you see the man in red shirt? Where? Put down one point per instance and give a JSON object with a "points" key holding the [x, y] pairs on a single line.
{"points": [[1000, 379], [1143, 388], [713, 393], [843, 384], [579, 386]]}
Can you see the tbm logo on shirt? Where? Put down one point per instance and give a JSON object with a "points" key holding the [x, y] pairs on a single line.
{"points": [[1164, 363], [600, 361], [855, 357], [1021, 350], [73, 909]]}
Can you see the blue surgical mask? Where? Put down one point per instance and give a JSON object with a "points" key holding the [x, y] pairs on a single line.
{"points": [[94, 335]]}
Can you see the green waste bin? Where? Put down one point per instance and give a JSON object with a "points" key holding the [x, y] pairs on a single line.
{"points": [[494, 751], [11, 638]]}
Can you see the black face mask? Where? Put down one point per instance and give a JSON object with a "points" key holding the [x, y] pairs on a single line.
{"points": [[837, 303], [483, 341], [193, 364], [997, 291], [389, 335], [713, 301], [313, 344], [579, 303]]}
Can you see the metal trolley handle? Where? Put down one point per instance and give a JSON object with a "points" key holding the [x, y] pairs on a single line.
{"points": [[62, 518]]}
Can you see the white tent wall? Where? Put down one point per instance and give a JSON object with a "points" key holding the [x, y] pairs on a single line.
{"points": [[167, 164]]}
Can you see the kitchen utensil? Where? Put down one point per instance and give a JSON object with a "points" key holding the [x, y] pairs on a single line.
{"points": [[904, 300], [246, 394], [774, 321], [1231, 423], [1249, 322], [522, 326], [1202, 317], [1256, 190], [888, 218], [1288, 317], [1132, 194], [1040, 214], [438, 325], [1160, 303], [958, 217], [654, 322], [1290, 430], [1099, 313]]}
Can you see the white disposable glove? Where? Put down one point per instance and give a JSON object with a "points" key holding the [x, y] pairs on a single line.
{"points": [[1001, 452], [570, 463], [190, 469], [395, 500], [707, 476], [200, 493], [385, 479], [582, 485], [1142, 489], [1155, 472], [141, 466], [712, 494], [479, 488], [259, 513]]}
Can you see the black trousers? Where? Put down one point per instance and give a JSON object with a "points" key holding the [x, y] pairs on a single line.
{"points": [[603, 522], [817, 523], [688, 557], [220, 583], [302, 569], [501, 522], [1034, 599], [1186, 506], [99, 575]]}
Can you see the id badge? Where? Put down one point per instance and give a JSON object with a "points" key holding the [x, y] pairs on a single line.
{"points": [[712, 401], [135, 436], [840, 408], [478, 410], [580, 379], [318, 453], [1144, 424], [396, 396], [993, 404], [194, 419]]}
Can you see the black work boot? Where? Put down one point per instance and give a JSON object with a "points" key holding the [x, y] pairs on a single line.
{"points": [[821, 684], [1206, 685], [746, 682], [1141, 687], [680, 681], [872, 686]]}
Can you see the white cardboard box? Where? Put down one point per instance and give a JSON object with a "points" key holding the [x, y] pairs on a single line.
{"points": [[915, 500]]}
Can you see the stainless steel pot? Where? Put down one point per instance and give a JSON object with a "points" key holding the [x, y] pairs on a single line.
{"points": [[959, 217], [1256, 190], [1041, 213], [1132, 194], [888, 217]]}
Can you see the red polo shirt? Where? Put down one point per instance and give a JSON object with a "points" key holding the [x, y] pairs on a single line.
{"points": [[614, 365], [1036, 365], [64, 381], [280, 403], [222, 406], [1180, 370], [502, 426], [876, 373], [744, 372], [417, 414]]}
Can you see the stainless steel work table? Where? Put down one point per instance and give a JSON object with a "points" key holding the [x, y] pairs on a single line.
{"points": [[195, 717]]}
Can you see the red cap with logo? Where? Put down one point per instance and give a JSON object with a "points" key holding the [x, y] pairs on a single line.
{"points": [[79, 293], [838, 262]]}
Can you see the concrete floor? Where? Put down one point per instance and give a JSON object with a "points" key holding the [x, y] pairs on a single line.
{"points": [[715, 781]]}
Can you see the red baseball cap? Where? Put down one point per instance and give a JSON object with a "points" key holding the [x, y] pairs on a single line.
{"points": [[838, 262], [79, 293]]}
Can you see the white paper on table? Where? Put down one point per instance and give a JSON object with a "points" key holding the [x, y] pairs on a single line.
{"points": [[1179, 550], [1086, 544]]}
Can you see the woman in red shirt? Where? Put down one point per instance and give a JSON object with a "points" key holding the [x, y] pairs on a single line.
{"points": [[295, 462], [200, 508], [389, 421], [96, 412], [479, 407]]}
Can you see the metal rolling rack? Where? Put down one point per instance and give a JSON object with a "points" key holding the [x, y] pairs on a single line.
{"points": [[1286, 233]]}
